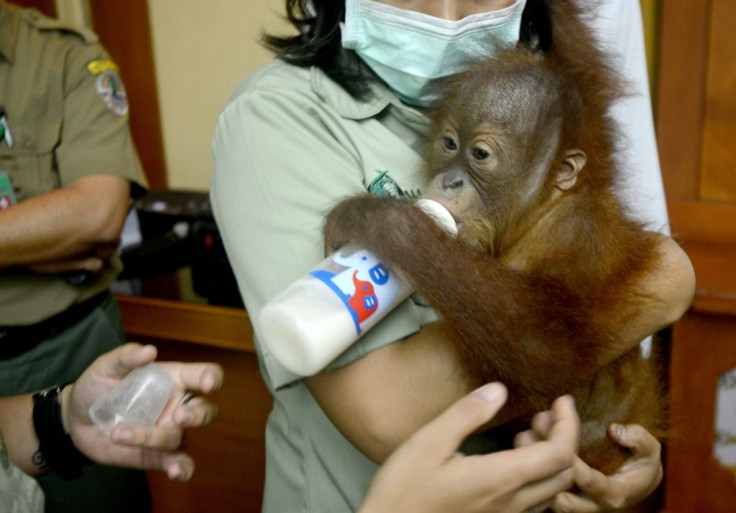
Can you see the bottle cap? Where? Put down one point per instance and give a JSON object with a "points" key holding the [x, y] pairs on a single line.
{"points": [[439, 214]]}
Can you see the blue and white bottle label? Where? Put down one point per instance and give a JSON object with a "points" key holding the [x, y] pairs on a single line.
{"points": [[365, 286]]}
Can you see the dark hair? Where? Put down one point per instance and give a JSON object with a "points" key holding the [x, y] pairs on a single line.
{"points": [[318, 42], [536, 25]]}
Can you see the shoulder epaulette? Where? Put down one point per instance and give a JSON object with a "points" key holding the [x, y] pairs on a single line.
{"points": [[42, 22]]}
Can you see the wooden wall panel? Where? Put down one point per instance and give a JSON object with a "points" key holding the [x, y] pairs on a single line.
{"points": [[229, 454], [719, 157], [681, 79], [696, 132], [704, 350]]}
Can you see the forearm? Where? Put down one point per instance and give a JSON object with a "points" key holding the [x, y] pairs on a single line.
{"points": [[76, 220], [18, 435], [378, 401], [381, 399]]}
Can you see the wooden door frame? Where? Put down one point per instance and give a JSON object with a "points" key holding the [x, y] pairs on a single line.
{"points": [[125, 31]]}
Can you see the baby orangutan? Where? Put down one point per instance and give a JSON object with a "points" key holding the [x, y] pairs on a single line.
{"points": [[542, 281]]}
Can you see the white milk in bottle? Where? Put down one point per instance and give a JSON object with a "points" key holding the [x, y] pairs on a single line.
{"points": [[320, 315]]}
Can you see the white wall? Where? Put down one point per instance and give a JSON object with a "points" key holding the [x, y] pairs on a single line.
{"points": [[201, 51]]}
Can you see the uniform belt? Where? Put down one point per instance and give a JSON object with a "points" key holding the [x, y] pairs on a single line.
{"points": [[16, 340]]}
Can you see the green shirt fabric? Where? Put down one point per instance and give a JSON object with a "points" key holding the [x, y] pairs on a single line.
{"points": [[66, 114], [289, 144]]}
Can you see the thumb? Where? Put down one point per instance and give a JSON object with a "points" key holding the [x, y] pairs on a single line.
{"points": [[120, 361], [633, 436], [450, 428]]}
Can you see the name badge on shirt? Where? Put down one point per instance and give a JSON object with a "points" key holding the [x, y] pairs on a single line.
{"points": [[7, 193]]}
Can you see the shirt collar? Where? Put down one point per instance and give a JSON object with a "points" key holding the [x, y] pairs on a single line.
{"points": [[343, 103], [379, 98]]}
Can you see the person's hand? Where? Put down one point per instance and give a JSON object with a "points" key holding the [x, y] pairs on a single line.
{"points": [[141, 447], [426, 474], [633, 482]]}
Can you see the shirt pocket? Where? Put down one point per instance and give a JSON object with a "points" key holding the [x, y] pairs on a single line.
{"points": [[30, 161]]}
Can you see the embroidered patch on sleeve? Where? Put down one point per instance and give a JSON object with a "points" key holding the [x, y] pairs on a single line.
{"points": [[109, 85], [100, 66]]}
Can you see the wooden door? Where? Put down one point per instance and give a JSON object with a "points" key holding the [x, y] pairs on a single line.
{"points": [[696, 125]]}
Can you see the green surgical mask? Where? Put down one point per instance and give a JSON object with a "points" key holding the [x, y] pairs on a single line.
{"points": [[409, 50]]}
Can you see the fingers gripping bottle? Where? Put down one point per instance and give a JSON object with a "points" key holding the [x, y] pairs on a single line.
{"points": [[320, 315]]}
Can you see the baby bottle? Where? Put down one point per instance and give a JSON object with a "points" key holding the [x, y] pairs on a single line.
{"points": [[320, 315]]}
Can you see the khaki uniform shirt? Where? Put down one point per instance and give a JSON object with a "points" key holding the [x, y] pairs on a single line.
{"points": [[66, 117], [288, 145]]}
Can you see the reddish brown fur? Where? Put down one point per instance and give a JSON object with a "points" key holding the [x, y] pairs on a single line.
{"points": [[538, 309]]}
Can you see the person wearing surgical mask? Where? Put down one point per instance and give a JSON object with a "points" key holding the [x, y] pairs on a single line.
{"points": [[409, 50], [342, 111]]}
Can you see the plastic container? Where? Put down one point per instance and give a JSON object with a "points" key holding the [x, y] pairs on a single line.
{"points": [[320, 315], [137, 400]]}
